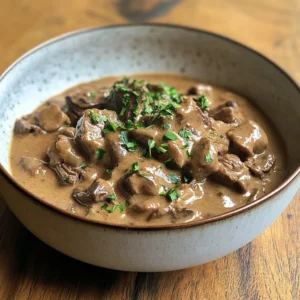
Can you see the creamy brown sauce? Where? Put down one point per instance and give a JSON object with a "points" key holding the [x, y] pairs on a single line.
{"points": [[199, 199]]}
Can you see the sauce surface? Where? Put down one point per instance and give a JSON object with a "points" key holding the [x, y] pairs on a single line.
{"points": [[224, 154]]}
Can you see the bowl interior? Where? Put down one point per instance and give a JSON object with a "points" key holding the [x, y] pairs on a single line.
{"points": [[90, 54]]}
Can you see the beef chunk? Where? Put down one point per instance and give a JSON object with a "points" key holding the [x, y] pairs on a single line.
{"points": [[115, 150], [84, 99], [64, 151], [232, 173], [68, 131], [51, 118], [142, 135], [138, 184], [23, 126], [127, 98], [248, 139], [65, 160], [261, 163], [190, 114], [220, 142], [176, 153], [98, 191], [33, 166], [89, 130], [225, 114], [204, 160]]}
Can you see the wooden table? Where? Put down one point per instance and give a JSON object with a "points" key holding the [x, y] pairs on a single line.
{"points": [[267, 268]]}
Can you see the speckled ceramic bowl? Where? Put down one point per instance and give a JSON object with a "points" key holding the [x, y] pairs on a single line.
{"points": [[89, 54]]}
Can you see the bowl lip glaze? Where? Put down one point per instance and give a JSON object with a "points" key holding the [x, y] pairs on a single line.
{"points": [[149, 227]]}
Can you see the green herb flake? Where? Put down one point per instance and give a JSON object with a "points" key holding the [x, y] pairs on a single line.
{"points": [[112, 209], [111, 197], [151, 145], [202, 102], [120, 207], [127, 203], [170, 136], [100, 153], [161, 149], [94, 117], [188, 154], [208, 158], [109, 171], [130, 146], [92, 94], [185, 134], [133, 169], [173, 178], [172, 194], [103, 118], [83, 167], [166, 126], [222, 136]]}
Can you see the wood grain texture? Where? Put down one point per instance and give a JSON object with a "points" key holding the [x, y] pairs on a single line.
{"points": [[267, 268]]}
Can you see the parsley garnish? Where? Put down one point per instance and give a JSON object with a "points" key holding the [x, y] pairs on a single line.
{"points": [[151, 145], [92, 94], [109, 171], [134, 169], [127, 203], [188, 154], [170, 136], [208, 158], [129, 146], [185, 134], [173, 178], [171, 194], [202, 102], [110, 127], [166, 126], [222, 136], [99, 153], [111, 210], [94, 117], [83, 167], [111, 197]]}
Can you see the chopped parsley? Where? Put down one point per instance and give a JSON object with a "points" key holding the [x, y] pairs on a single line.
{"points": [[83, 167], [222, 136], [171, 194], [134, 169], [170, 136], [113, 208], [127, 203], [173, 178], [161, 148], [99, 153], [166, 126], [185, 134], [110, 127], [125, 143], [151, 145], [109, 171], [111, 197], [92, 94], [202, 102], [94, 117], [188, 154], [208, 158]]}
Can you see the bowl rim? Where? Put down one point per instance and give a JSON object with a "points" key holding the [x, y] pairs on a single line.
{"points": [[226, 215]]}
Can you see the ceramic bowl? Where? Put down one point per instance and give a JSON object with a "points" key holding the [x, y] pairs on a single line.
{"points": [[89, 54]]}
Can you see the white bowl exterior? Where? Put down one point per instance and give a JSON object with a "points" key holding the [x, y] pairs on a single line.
{"points": [[145, 250], [138, 49]]}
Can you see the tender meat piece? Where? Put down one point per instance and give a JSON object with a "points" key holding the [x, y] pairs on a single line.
{"points": [[231, 104], [142, 135], [89, 133], [232, 173], [67, 174], [33, 166], [139, 185], [261, 163], [204, 160], [248, 139], [65, 160], [191, 115], [84, 99], [97, 192], [51, 118], [64, 151], [115, 150], [225, 114], [127, 99], [220, 127], [220, 142], [23, 126], [68, 131], [176, 153]]}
